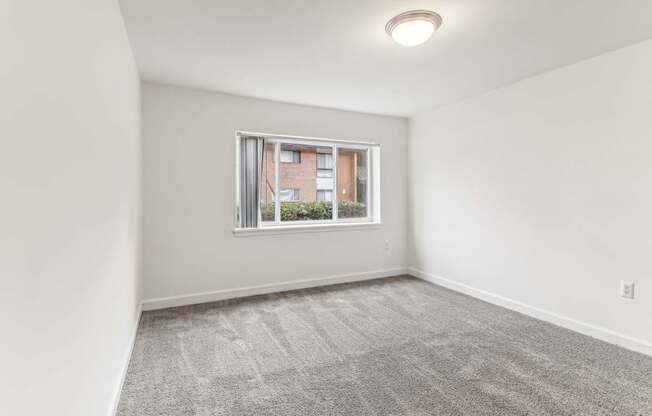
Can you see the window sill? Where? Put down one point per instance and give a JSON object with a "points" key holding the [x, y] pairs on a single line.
{"points": [[304, 228]]}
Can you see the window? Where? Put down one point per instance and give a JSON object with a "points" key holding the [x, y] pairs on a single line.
{"points": [[324, 195], [290, 194], [352, 183], [290, 156], [325, 161], [295, 181]]}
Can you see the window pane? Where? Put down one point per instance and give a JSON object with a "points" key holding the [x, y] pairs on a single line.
{"points": [[289, 194], [351, 183], [289, 156], [325, 161], [267, 185], [286, 157], [324, 196], [302, 183]]}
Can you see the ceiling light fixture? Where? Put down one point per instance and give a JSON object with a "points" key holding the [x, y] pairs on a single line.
{"points": [[414, 27]]}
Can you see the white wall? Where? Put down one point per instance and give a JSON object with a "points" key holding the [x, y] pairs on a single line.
{"points": [[69, 206], [540, 192], [188, 177]]}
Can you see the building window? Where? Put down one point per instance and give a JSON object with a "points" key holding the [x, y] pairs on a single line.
{"points": [[324, 195], [290, 156], [325, 161], [290, 194], [318, 181]]}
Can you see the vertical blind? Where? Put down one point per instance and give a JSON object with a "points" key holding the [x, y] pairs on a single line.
{"points": [[251, 161]]}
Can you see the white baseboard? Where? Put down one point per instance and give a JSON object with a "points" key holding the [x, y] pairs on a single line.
{"points": [[191, 299], [127, 358], [603, 334]]}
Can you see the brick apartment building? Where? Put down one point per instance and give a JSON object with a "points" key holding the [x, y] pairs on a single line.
{"points": [[306, 174]]}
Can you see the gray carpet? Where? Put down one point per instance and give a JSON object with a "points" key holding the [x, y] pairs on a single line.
{"points": [[396, 346]]}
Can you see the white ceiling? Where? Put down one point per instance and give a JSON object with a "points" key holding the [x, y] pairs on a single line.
{"points": [[335, 53]]}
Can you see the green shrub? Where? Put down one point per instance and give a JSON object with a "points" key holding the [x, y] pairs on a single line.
{"points": [[267, 212], [307, 211], [351, 209]]}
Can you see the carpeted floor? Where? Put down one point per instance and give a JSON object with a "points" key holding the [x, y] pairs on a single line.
{"points": [[396, 346]]}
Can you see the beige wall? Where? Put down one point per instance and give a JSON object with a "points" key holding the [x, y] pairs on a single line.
{"points": [[69, 206], [540, 192], [189, 168]]}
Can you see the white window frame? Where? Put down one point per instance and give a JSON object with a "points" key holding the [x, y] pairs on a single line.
{"points": [[278, 226]]}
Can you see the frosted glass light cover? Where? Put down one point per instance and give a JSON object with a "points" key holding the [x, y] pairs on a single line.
{"points": [[413, 32], [413, 27]]}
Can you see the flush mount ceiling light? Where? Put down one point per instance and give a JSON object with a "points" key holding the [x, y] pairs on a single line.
{"points": [[414, 27]]}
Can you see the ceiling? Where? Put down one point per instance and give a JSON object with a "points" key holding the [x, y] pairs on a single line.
{"points": [[335, 53]]}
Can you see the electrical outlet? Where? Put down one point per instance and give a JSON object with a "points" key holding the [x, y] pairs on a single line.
{"points": [[627, 289], [386, 245]]}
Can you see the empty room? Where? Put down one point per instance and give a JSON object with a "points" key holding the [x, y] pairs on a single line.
{"points": [[326, 207]]}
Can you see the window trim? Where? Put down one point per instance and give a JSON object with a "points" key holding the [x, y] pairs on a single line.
{"points": [[372, 191], [306, 228]]}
